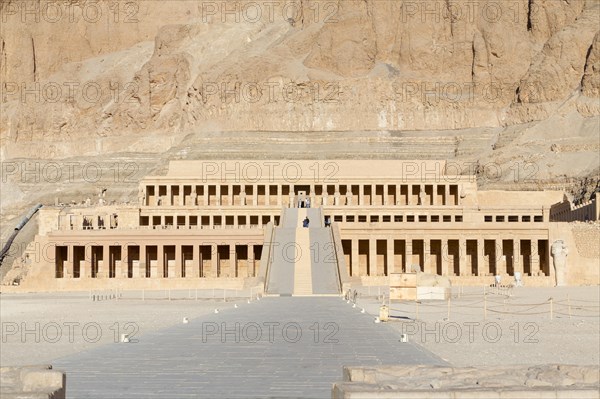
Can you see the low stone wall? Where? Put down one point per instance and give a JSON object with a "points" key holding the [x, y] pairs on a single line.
{"points": [[32, 382], [87, 284], [581, 240], [414, 382]]}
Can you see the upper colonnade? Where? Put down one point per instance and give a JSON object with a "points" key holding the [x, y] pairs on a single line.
{"points": [[324, 183]]}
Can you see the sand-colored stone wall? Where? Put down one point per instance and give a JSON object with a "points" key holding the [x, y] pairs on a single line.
{"points": [[582, 241]]}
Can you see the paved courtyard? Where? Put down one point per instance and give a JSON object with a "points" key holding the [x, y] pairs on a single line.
{"points": [[277, 347]]}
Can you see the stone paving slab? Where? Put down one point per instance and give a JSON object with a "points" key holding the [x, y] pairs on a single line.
{"points": [[281, 347]]}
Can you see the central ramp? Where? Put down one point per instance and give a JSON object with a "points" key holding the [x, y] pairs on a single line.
{"points": [[300, 356], [304, 262]]}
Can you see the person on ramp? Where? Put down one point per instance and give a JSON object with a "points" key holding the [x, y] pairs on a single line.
{"points": [[305, 222]]}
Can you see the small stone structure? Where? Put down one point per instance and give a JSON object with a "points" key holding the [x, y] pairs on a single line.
{"points": [[414, 382], [32, 382], [417, 286]]}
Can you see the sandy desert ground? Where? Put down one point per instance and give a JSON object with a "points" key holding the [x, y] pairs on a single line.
{"points": [[38, 328], [500, 330]]}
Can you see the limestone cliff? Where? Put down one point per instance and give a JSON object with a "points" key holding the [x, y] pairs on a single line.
{"points": [[478, 80]]}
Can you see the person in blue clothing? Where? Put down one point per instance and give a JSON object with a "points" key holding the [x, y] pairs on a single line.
{"points": [[305, 222]]}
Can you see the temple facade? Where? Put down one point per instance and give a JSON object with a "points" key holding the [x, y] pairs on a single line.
{"points": [[214, 223]]}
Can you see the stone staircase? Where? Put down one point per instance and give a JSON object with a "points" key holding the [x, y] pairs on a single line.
{"points": [[302, 268], [303, 262]]}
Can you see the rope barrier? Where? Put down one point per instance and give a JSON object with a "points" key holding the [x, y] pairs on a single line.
{"points": [[579, 300], [505, 308], [520, 314], [574, 315]]}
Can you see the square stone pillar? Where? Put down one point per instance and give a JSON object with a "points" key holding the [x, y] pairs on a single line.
{"points": [[267, 194], [255, 194], [397, 194], [251, 261], [462, 258], [233, 261], [279, 195], [140, 271], [385, 194], [500, 260], [230, 195], [218, 195], [445, 258], [361, 194], [156, 195], [205, 195], [68, 272], [447, 195], [178, 262], [196, 262], [103, 267], [85, 266], [373, 194], [427, 256], [168, 201], [373, 266], [480, 258], [214, 261], [390, 256], [123, 268], [181, 196], [535, 257], [409, 261], [348, 195], [354, 266], [160, 264], [434, 195], [517, 263]]}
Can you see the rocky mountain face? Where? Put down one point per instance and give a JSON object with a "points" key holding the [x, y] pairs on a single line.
{"points": [[514, 81]]}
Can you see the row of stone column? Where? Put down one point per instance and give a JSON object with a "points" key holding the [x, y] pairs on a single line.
{"points": [[537, 257], [204, 261], [210, 221], [88, 222], [339, 195]]}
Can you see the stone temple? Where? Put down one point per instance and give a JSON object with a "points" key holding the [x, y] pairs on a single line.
{"points": [[235, 224]]}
